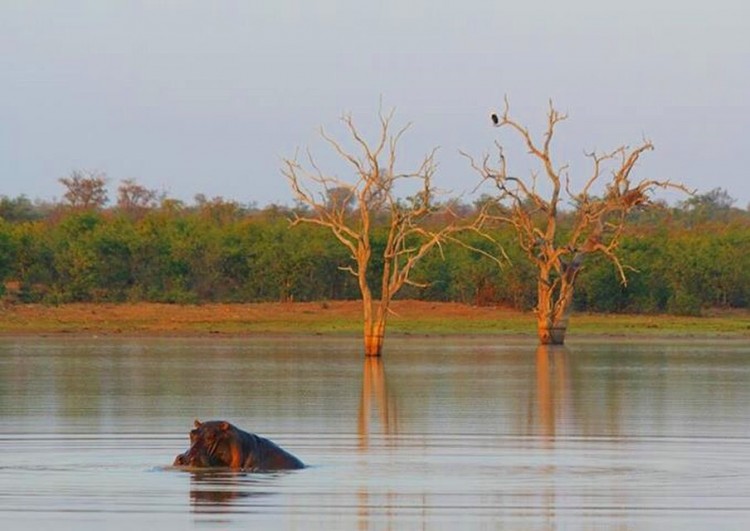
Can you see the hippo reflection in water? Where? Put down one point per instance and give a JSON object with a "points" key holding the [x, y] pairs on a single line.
{"points": [[217, 443]]}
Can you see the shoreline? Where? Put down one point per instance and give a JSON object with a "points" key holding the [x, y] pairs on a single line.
{"points": [[343, 318]]}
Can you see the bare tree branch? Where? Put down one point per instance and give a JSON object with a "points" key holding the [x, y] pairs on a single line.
{"points": [[598, 221], [371, 195]]}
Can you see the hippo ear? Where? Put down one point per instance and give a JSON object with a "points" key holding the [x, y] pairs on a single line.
{"points": [[197, 423], [224, 425]]}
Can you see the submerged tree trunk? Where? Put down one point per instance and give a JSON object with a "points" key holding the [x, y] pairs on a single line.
{"points": [[554, 299], [374, 329], [553, 312], [551, 333], [374, 335]]}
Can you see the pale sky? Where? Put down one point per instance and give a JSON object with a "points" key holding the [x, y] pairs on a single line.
{"points": [[196, 96]]}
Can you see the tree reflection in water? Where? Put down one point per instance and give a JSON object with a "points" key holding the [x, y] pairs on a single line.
{"points": [[552, 414], [552, 390], [375, 402]]}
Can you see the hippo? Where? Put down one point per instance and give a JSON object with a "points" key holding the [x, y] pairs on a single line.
{"points": [[217, 443]]}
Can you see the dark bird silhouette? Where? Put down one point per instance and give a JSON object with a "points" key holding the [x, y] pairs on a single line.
{"points": [[495, 119]]}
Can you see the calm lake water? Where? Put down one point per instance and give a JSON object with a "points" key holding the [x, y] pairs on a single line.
{"points": [[444, 433]]}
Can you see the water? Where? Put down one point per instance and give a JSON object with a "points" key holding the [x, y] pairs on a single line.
{"points": [[444, 433]]}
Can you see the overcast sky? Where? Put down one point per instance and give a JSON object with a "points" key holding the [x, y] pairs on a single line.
{"points": [[196, 96]]}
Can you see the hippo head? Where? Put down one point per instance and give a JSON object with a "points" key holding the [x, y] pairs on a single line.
{"points": [[214, 442], [195, 457], [202, 451]]}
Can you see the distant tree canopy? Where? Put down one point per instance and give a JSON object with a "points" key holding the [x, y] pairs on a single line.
{"points": [[85, 190], [21, 209], [686, 259]]}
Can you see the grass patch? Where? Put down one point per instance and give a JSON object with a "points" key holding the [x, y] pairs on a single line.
{"points": [[340, 317]]}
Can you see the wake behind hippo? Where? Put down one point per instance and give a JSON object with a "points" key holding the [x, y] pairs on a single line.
{"points": [[217, 443]]}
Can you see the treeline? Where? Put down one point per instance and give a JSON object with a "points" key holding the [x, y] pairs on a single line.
{"points": [[148, 248]]}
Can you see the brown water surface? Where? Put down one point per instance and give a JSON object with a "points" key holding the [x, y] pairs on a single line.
{"points": [[444, 433]]}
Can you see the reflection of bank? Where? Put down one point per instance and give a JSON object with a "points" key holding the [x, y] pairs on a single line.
{"points": [[552, 390], [375, 405]]}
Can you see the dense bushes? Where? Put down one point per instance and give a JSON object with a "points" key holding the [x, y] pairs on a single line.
{"points": [[676, 270], [683, 262]]}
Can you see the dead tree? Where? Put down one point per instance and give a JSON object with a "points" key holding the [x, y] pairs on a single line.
{"points": [[352, 208], [598, 220]]}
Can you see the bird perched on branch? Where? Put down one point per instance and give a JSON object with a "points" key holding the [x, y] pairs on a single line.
{"points": [[495, 119]]}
